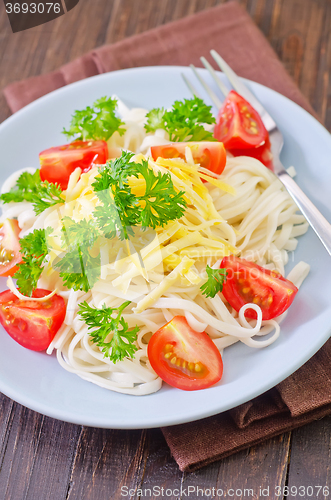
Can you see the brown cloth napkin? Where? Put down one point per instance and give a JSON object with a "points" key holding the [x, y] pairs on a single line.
{"points": [[304, 396], [301, 398]]}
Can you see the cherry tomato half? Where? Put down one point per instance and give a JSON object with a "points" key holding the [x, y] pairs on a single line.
{"points": [[32, 324], [262, 153], [58, 163], [210, 155], [184, 358], [9, 247], [238, 125], [249, 283]]}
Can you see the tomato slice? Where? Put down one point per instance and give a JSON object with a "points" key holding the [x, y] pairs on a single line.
{"points": [[262, 153], [184, 358], [238, 125], [249, 283], [32, 324], [210, 155], [9, 247], [58, 163]]}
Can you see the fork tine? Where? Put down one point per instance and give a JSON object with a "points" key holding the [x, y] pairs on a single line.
{"points": [[223, 88], [209, 91], [190, 86], [237, 84]]}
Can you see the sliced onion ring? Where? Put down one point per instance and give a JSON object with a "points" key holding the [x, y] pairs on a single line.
{"points": [[18, 294]]}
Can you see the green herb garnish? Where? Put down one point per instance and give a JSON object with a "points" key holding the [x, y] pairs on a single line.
{"points": [[96, 122], [34, 253], [78, 268], [215, 281], [121, 209], [155, 119], [121, 344], [29, 187], [184, 122]]}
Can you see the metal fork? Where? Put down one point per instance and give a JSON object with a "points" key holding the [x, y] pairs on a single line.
{"points": [[314, 217]]}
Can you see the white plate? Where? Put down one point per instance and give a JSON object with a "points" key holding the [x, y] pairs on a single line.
{"points": [[38, 382]]}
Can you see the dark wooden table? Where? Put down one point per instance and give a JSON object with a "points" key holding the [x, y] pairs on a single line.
{"points": [[45, 459]]}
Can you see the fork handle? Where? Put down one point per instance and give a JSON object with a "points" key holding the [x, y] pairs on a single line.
{"points": [[316, 220]]}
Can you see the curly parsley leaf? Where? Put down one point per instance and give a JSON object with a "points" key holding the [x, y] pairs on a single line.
{"points": [[49, 194], [107, 216], [78, 266], [34, 251], [184, 122], [121, 209], [29, 187], [103, 324], [215, 281], [114, 173], [25, 189], [96, 122], [155, 119], [161, 203]]}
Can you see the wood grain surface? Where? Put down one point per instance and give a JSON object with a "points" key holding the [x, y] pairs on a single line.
{"points": [[45, 459]]}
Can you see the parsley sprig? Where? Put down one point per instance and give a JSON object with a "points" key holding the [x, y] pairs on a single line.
{"points": [[215, 281], [78, 268], [34, 253], [121, 209], [96, 122], [102, 323], [162, 202], [155, 119], [184, 122], [29, 187]]}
